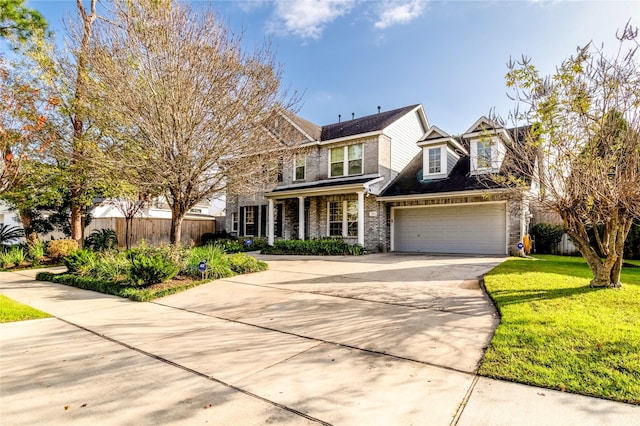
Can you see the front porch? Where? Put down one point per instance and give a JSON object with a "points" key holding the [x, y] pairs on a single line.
{"points": [[344, 209]]}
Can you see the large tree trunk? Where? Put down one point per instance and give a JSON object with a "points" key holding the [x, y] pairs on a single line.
{"points": [[176, 226], [30, 236], [606, 271], [76, 223]]}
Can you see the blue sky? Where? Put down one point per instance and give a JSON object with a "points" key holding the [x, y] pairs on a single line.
{"points": [[351, 56]]}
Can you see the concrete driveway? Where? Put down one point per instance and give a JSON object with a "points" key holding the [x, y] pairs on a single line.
{"points": [[380, 339]]}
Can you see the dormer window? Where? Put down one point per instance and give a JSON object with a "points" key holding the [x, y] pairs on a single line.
{"points": [[440, 153], [486, 155], [435, 161], [484, 159]]}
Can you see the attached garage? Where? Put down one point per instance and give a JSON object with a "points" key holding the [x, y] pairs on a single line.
{"points": [[465, 229]]}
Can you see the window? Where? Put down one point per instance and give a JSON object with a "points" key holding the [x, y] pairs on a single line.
{"points": [[345, 161], [352, 218], [249, 221], [335, 218], [343, 218], [435, 160], [484, 154], [299, 167], [234, 222]]}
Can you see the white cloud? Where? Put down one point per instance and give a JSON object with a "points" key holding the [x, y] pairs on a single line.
{"points": [[399, 12], [307, 18]]}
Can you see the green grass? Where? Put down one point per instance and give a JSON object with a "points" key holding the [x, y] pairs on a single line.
{"points": [[11, 311], [558, 333]]}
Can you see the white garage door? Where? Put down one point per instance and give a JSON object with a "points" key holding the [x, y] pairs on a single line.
{"points": [[473, 229]]}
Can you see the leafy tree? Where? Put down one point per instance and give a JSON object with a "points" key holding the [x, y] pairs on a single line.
{"points": [[80, 151], [193, 106], [18, 22], [35, 193], [586, 131], [25, 121]]}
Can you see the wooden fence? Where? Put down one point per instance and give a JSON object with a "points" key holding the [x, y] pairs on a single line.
{"points": [[153, 231]]}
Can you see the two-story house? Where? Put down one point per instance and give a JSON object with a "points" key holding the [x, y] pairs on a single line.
{"points": [[389, 181], [330, 187]]}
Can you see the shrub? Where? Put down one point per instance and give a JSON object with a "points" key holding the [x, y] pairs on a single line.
{"points": [[80, 262], [10, 233], [112, 265], [207, 238], [102, 239], [12, 257], [148, 270], [36, 252], [59, 249], [230, 246], [546, 237], [632, 244], [216, 259], [325, 246], [241, 263], [173, 253]]}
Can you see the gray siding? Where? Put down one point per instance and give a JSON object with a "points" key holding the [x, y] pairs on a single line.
{"points": [[451, 161]]}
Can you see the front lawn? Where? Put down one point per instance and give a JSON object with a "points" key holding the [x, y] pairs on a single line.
{"points": [[558, 333], [11, 311]]}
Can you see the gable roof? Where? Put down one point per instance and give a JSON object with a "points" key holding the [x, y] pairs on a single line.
{"points": [[411, 181], [482, 124], [434, 133], [310, 130], [367, 124]]}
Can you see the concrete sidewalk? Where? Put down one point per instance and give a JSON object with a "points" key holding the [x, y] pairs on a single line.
{"points": [[379, 340]]}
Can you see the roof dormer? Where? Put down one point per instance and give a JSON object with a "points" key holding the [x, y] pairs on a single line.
{"points": [[440, 153], [487, 146]]}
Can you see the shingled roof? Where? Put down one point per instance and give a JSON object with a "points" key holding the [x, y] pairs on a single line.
{"points": [[370, 123], [411, 181]]}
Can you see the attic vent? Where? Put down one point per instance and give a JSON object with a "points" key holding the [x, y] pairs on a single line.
{"points": [[378, 109], [339, 117], [353, 115]]}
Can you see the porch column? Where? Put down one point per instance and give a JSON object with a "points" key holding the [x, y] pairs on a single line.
{"points": [[361, 218], [301, 217], [270, 223]]}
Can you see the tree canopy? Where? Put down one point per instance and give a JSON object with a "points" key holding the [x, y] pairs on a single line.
{"points": [[193, 107], [18, 23], [585, 121]]}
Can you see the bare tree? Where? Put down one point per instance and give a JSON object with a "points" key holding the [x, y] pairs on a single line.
{"points": [[194, 107], [586, 132], [130, 207]]}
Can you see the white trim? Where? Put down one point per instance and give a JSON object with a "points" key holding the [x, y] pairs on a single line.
{"points": [[345, 161], [270, 223], [345, 218], [352, 137], [443, 162], [361, 218], [442, 195], [301, 217]]}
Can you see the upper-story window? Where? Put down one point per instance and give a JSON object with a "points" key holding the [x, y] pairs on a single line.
{"points": [[299, 167], [435, 161], [483, 149], [345, 161]]}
